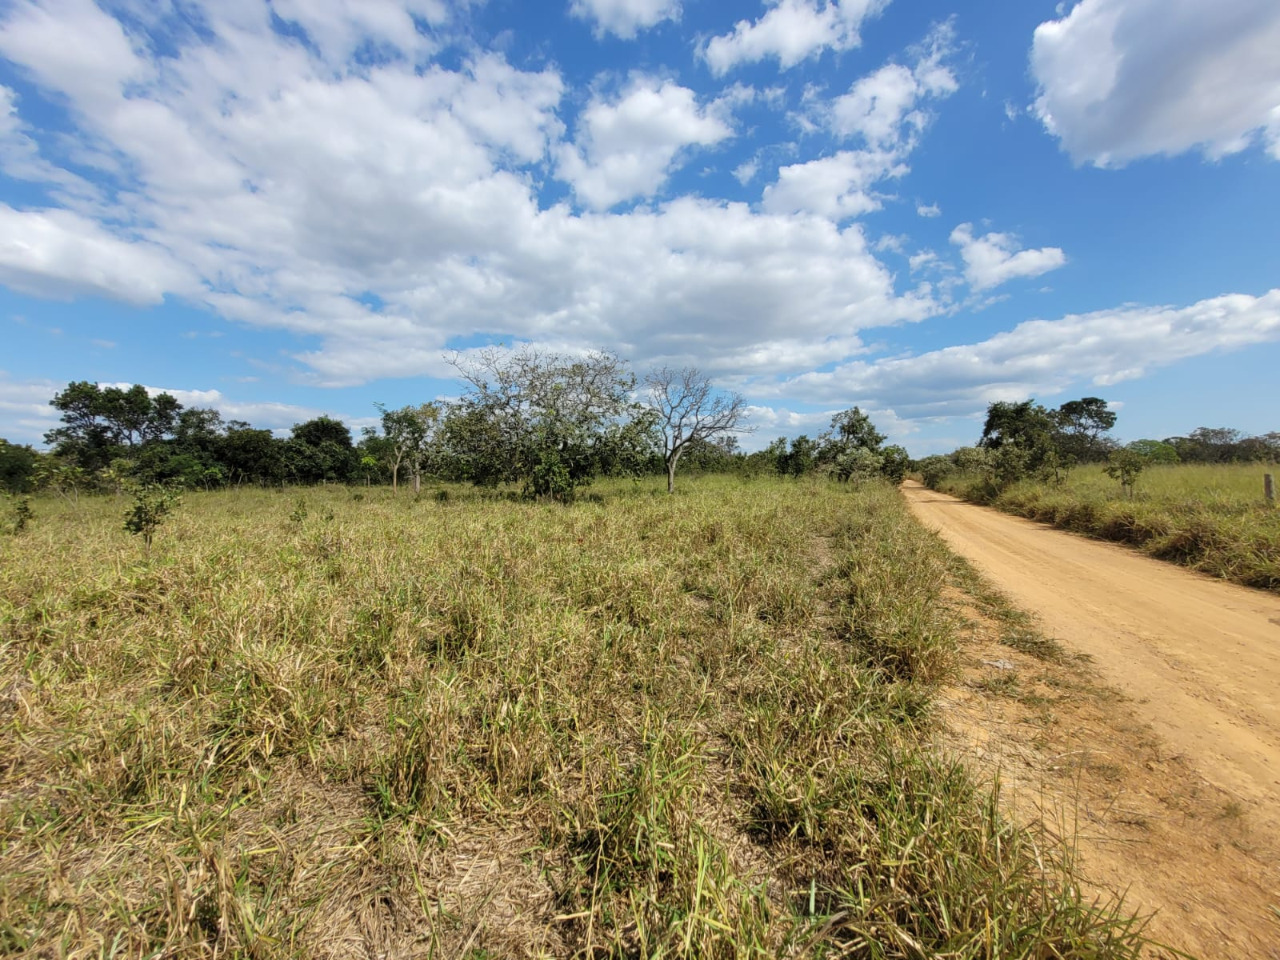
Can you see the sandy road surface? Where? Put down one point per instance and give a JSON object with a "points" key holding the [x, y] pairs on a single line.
{"points": [[1200, 658]]}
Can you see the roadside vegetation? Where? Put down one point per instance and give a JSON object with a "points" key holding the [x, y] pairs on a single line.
{"points": [[1209, 517], [341, 721], [1197, 500]]}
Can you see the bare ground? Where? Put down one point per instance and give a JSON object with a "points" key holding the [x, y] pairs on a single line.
{"points": [[1153, 746]]}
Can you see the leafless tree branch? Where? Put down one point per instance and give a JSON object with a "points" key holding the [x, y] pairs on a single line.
{"points": [[689, 410]]}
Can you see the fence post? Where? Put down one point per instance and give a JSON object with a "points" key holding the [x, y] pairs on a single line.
{"points": [[1269, 489]]}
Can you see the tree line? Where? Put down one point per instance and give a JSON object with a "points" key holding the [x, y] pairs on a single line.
{"points": [[547, 424], [1026, 439], [542, 422]]}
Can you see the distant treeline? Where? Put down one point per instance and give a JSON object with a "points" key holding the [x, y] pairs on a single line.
{"points": [[543, 422], [1026, 439], [548, 424], [1224, 445]]}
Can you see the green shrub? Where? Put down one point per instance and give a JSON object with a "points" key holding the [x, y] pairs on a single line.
{"points": [[151, 504]]}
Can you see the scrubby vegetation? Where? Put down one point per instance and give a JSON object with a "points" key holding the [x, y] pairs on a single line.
{"points": [[544, 422], [467, 725]]}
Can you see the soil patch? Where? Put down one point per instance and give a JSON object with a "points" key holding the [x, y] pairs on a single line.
{"points": [[1075, 758]]}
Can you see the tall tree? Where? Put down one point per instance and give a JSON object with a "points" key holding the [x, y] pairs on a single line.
{"points": [[192, 457], [1026, 423], [802, 457], [321, 450], [853, 428], [1217, 444], [851, 448], [1154, 451], [17, 467], [1081, 425], [251, 455], [198, 430], [690, 411], [549, 421], [102, 423], [1023, 436], [772, 458], [412, 434], [1271, 444]]}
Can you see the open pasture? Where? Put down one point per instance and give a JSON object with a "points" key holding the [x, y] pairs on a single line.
{"points": [[340, 723], [1223, 487]]}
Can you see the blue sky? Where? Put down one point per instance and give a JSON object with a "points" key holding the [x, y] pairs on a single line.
{"points": [[302, 206]]}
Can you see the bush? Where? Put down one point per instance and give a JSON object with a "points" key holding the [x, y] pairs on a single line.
{"points": [[151, 504], [550, 477], [933, 470], [858, 464], [895, 462], [1155, 451], [1125, 465]]}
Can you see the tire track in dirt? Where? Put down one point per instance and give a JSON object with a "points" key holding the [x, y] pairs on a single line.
{"points": [[1197, 659]]}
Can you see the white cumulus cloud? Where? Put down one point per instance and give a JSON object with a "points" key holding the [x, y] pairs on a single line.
{"points": [[59, 254], [884, 113], [627, 148], [997, 258], [792, 31], [263, 415], [1125, 79], [625, 18], [837, 187], [746, 171], [884, 107], [383, 207], [338, 28], [25, 410], [1040, 357]]}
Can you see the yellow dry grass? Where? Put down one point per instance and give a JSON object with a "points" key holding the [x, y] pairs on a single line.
{"points": [[368, 725]]}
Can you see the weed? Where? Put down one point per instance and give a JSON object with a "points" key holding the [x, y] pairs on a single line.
{"points": [[1232, 810], [1018, 629]]}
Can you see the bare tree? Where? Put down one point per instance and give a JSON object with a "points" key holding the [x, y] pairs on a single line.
{"points": [[689, 409]]}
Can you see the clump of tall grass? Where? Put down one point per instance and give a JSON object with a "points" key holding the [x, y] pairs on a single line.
{"points": [[640, 725], [1209, 517]]}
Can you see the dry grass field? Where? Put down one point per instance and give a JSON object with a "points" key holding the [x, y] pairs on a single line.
{"points": [[335, 723]]}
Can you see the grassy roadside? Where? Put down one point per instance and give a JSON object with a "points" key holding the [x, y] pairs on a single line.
{"points": [[1210, 518], [639, 726]]}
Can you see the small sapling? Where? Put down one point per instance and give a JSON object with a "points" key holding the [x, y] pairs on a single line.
{"points": [[151, 504]]}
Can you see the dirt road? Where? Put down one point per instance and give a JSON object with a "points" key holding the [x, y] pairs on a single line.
{"points": [[1202, 657], [1199, 659]]}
